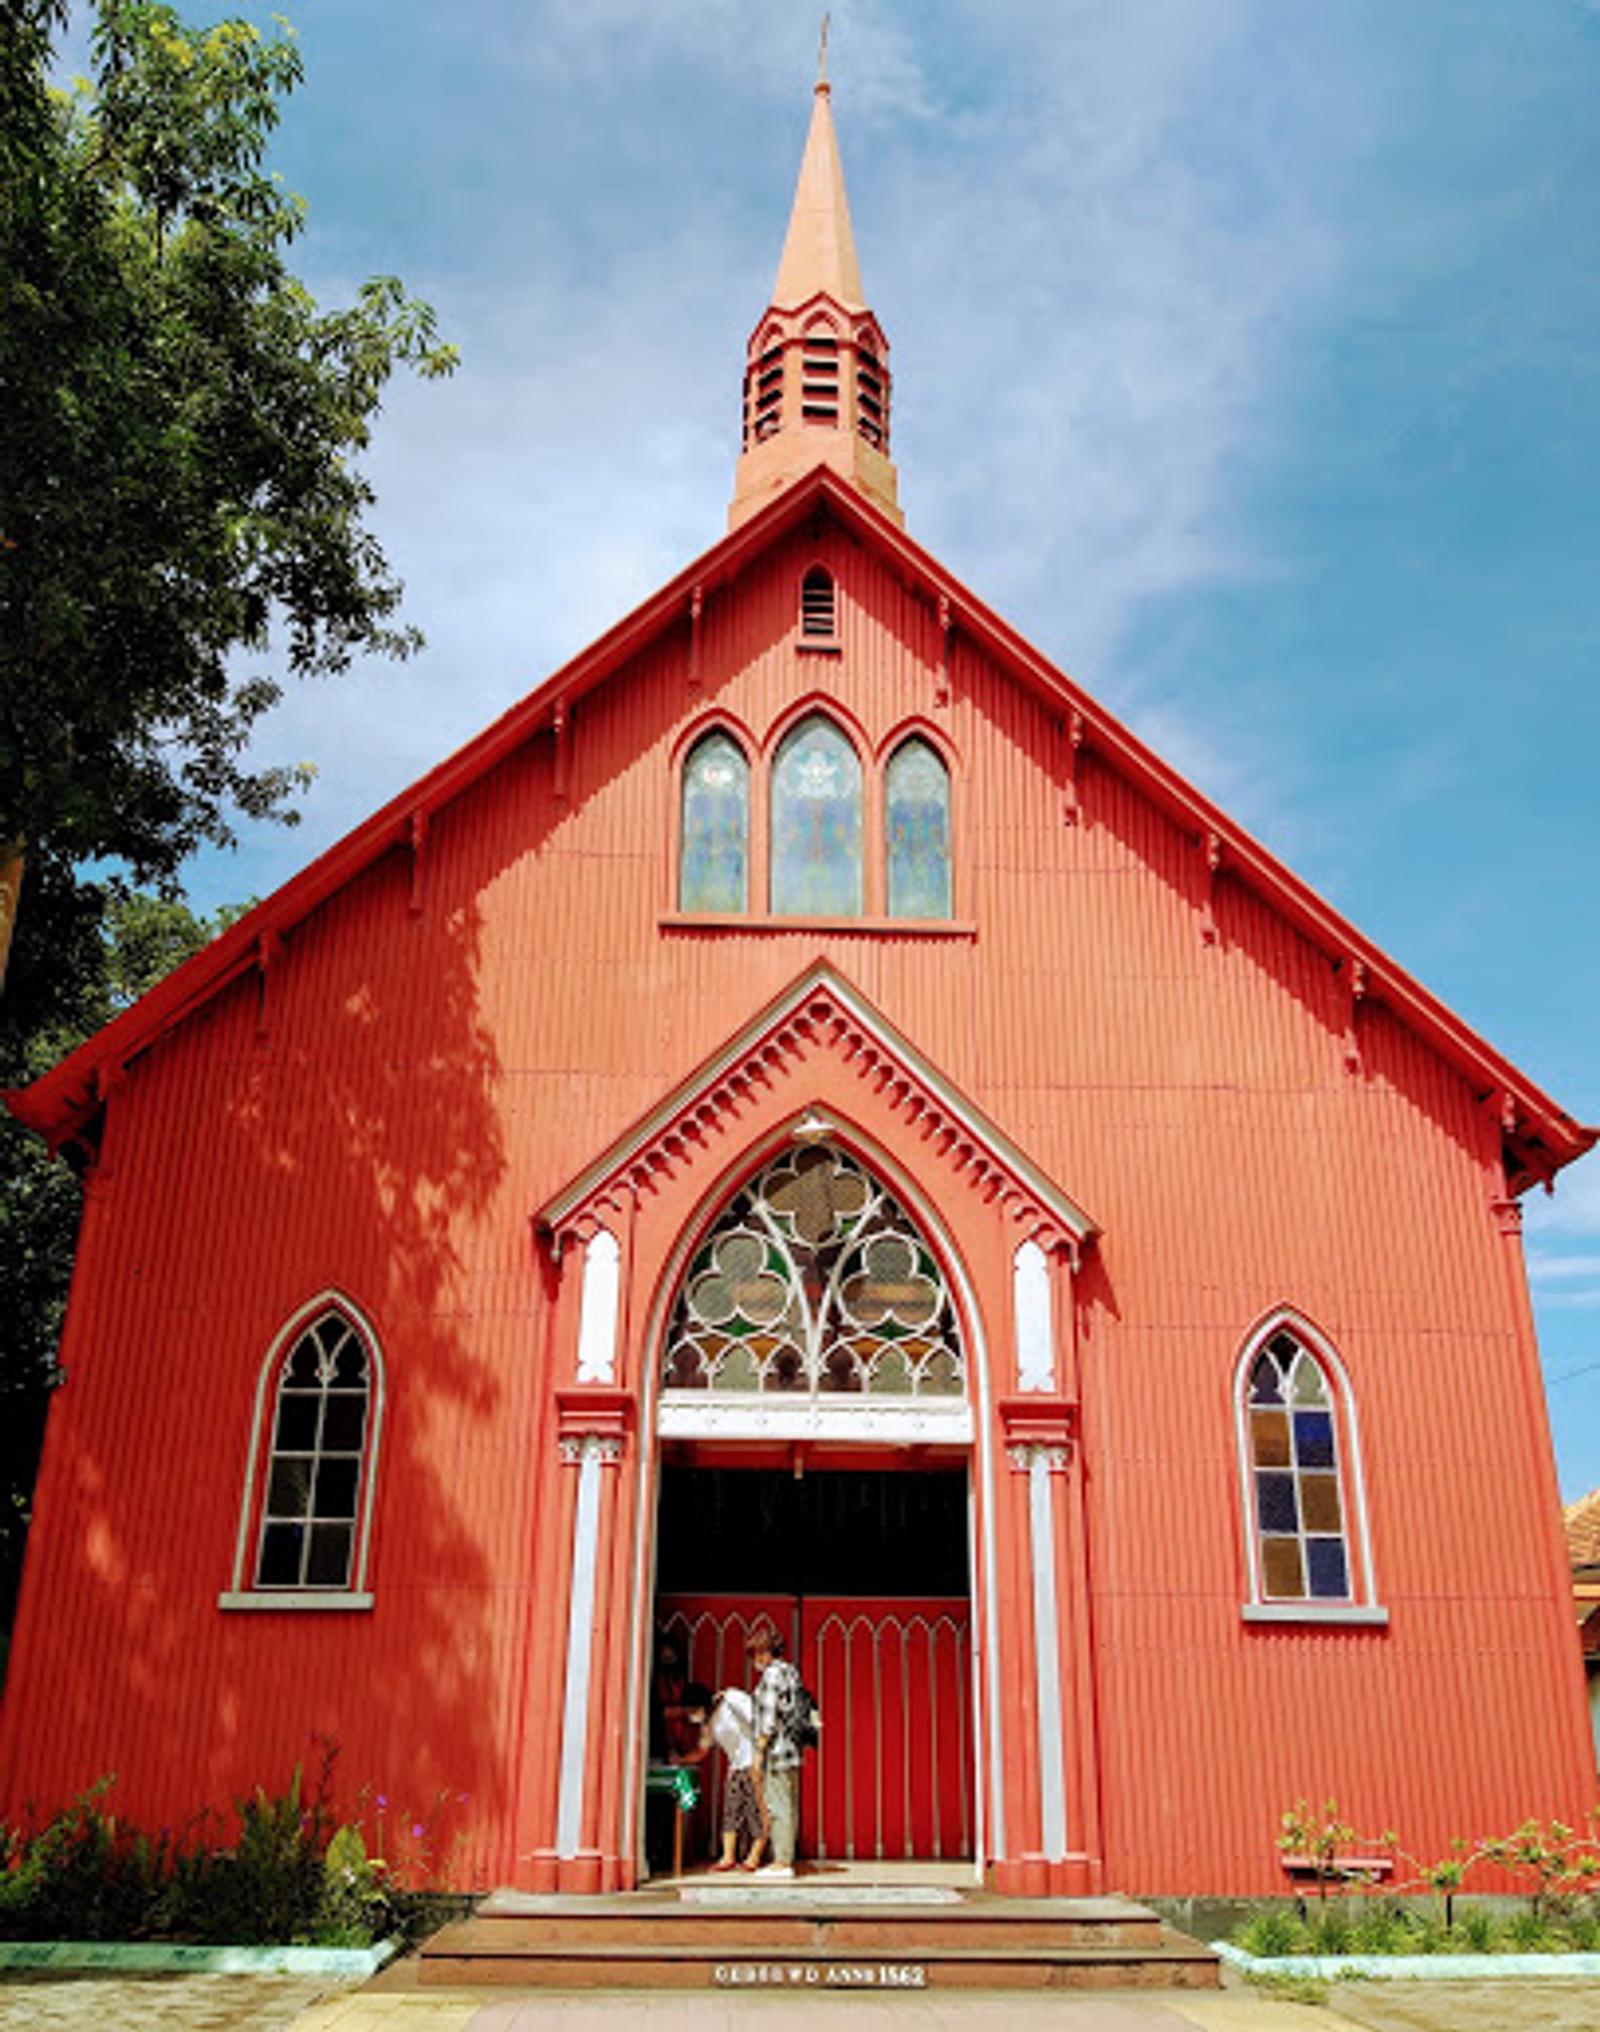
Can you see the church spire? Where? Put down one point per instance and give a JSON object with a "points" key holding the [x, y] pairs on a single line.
{"points": [[816, 384]]}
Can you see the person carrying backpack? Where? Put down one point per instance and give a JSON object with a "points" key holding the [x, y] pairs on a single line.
{"points": [[785, 1723]]}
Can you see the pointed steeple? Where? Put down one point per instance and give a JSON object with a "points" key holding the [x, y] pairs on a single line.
{"points": [[816, 384], [819, 251]]}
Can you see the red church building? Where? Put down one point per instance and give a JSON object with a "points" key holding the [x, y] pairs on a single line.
{"points": [[806, 1116]]}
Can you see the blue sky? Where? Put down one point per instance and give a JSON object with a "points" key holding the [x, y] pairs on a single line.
{"points": [[1246, 359]]}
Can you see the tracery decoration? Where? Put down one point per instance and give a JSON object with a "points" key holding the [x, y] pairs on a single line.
{"points": [[815, 1280]]}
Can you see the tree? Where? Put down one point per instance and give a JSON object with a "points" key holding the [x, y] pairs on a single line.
{"points": [[143, 938], [179, 424]]}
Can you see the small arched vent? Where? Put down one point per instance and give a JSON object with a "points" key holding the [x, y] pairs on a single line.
{"points": [[819, 620]]}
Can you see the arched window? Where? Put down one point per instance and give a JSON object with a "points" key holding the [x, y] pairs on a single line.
{"points": [[315, 1494], [819, 614], [1302, 1483], [917, 821], [814, 1280], [714, 830], [816, 823]]}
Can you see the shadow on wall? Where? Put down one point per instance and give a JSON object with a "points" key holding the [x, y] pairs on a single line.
{"points": [[342, 1136]]}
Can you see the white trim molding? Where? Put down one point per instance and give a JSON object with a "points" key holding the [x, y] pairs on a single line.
{"points": [[294, 1600], [696, 1414], [1369, 1614], [597, 1316], [1030, 1287]]}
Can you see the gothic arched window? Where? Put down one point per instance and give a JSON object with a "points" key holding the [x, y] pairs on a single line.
{"points": [[315, 1497], [816, 823], [1301, 1476], [714, 826], [814, 1279], [917, 829]]}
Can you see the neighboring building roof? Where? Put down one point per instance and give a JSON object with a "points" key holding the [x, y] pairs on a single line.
{"points": [[1582, 1521], [1539, 1136]]}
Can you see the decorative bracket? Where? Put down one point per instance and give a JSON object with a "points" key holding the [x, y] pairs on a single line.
{"points": [[1212, 845], [1356, 977], [419, 836], [1070, 810], [941, 683], [269, 949], [697, 603], [561, 726]]}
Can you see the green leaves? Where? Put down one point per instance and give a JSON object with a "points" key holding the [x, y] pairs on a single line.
{"points": [[181, 512]]}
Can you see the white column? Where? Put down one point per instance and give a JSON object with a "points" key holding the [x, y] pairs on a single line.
{"points": [[1041, 1460], [588, 1453]]}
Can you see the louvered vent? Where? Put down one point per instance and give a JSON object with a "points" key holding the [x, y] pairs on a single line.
{"points": [[818, 616]]}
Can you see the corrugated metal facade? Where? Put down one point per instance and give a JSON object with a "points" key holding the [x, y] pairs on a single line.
{"points": [[436, 1052]]}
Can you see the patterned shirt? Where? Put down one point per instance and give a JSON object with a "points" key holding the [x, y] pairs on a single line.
{"points": [[775, 1688]]}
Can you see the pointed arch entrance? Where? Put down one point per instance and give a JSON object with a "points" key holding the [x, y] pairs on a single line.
{"points": [[816, 1386], [815, 1471]]}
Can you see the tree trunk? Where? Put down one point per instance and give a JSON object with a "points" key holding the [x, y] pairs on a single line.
{"points": [[10, 891]]}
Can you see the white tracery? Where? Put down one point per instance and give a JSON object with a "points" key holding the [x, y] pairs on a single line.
{"points": [[814, 1280]]}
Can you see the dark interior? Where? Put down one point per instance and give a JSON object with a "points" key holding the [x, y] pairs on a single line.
{"points": [[830, 1532]]}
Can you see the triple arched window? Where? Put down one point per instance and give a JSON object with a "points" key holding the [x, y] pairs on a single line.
{"points": [[823, 828], [1302, 1477]]}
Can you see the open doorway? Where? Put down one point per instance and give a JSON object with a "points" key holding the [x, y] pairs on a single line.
{"points": [[865, 1571]]}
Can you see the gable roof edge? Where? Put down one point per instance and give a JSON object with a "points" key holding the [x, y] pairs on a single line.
{"points": [[1537, 1131]]}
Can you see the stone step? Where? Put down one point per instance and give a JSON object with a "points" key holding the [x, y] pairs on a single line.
{"points": [[1171, 1963], [774, 1925]]}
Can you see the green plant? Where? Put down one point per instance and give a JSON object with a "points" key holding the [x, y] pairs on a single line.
{"points": [[1527, 1932], [1271, 1932], [1331, 1931], [1382, 1929], [1475, 1929]]}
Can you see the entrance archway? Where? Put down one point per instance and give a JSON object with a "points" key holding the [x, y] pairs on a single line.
{"points": [[814, 1427]]}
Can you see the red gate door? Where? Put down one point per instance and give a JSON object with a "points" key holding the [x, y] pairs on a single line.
{"points": [[713, 1630], [892, 1776]]}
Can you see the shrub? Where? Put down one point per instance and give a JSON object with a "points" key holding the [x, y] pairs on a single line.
{"points": [[1271, 1932], [1475, 1929], [1331, 1931], [291, 1874]]}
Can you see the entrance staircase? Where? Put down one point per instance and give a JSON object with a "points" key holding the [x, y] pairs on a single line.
{"points": [[809, 1936]]}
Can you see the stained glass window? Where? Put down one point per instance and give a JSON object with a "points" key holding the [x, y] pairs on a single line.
{"points": [[311, 1505], [814, 1279], [917, 816], [1293, 1450], [816, 823], [714, 838]]}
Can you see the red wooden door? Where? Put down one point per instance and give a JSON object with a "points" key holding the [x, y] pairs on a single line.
{"points": [[892, 1776]]}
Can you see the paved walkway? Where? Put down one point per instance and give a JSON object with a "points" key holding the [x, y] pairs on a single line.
{"points": [[43, 2003], [95, 2003]]}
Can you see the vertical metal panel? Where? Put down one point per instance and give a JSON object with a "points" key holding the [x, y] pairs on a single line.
{"points": [[422, 1079]]}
